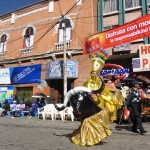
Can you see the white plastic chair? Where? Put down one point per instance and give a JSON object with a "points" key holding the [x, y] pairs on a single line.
{"points": [[59, 114], [40, 112], [69, 113], [47, 111]]}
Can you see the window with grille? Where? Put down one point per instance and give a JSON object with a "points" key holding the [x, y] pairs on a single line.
{"points": [[64, 25], [3, 42], [28, 41], [28, 38], [132, 3], [110, 6]]}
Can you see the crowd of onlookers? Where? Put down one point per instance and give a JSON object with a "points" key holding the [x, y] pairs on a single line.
{"points": [[16, 107]]}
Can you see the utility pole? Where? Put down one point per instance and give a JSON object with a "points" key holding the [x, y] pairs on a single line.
{"points": [[65, 62]]}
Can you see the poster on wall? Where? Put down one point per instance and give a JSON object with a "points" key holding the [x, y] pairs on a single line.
{"points": [[26, 74], [6, 93], [5, 76], [54, 69], [137, 29]]}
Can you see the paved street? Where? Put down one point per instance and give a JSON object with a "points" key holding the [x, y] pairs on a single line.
{"points": [[34, 134]]}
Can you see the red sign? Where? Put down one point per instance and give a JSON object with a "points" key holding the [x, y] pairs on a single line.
{"points": [[139, 28]]}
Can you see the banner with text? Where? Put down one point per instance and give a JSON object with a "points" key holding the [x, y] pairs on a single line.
{"points": [[137, 29], [26, 74]]}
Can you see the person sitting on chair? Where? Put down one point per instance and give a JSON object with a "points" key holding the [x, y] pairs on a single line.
{"points": [[33, 110]]}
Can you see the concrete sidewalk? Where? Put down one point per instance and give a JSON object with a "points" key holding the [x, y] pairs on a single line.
{"points": [[34, 134]]}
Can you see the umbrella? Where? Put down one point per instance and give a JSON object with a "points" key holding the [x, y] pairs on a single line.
{"points": [[129, 79], [39, 95], [143, 78]]}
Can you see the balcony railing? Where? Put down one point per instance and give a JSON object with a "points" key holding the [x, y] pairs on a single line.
{"points": [[60, 45], [26, 51], [2, 54]]}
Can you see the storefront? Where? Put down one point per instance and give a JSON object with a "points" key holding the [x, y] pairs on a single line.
{"points": [[54, 77], [22, 79]]}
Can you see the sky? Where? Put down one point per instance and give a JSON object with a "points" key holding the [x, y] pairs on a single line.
{"points": [[7, 6]]}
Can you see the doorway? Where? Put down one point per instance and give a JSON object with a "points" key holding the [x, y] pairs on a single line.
{"points": [[57, 88]]}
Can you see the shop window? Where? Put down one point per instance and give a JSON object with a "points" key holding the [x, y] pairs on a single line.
{"points": [[132, 3], [3, 42], [24, 93], [110, 6], [28, 41]]}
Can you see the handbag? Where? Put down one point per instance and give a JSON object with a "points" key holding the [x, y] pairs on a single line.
{"points": [[126, 114]]}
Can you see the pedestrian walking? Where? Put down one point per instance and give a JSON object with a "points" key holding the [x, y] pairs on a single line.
{"points": [[134, 105]]}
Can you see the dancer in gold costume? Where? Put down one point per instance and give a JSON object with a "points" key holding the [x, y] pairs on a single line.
{"points": [[95, 127]]}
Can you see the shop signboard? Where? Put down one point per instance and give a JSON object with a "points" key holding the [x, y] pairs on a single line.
{"points": [[136, 29], [26, 74], [116, 70], [54, 69], [6, 92], [122, 47], [144, 53], [143, 62]]}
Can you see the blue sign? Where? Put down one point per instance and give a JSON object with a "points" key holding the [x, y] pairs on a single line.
{"points": [[26, 74], [54, 69], [113, 72]]}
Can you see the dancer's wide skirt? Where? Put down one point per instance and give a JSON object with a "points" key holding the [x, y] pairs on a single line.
{"points": [[93, 129]]}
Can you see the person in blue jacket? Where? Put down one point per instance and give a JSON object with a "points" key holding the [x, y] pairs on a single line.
{"points": [[33, 110]]}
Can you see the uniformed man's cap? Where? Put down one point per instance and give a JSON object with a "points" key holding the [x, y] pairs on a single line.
{"points": [[135, 83]]}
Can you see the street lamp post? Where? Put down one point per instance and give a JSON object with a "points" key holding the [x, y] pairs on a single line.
{"points": [[65, 29], [65, 62]]}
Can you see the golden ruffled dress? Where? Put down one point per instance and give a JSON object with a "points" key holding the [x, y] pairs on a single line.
{"points": [[96, 127]]}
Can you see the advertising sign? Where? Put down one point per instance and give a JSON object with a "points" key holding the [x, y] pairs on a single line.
{"points": [[26, 74], [136, 64], [143, 62], [139, 28], [144, 52], [6, 92], [116, 70], [5, 76], [54, 69]]}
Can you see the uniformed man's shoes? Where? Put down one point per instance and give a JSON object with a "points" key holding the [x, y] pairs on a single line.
{"points": [[143, 131], [135, 131]]}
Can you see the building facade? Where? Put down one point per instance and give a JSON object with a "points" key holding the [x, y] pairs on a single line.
{"points": [[32, 41], [114, 13]]}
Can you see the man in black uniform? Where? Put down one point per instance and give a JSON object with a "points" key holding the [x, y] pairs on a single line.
{"points": [[134, 106]]}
